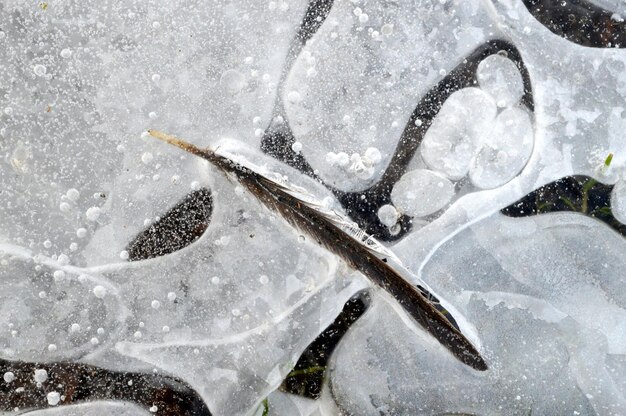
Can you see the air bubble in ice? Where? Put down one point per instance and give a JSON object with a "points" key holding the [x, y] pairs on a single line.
{"points": [[72, 194], [499, 77], [455, 135], [41, 375], [422, 192], [93, 213], [147, 158], [296, 147], [294, 97], [8, 377], [53, 398], [388, 215], [342, 159], [506, 148], [58, 275], [233, 81], [99, 291], [39, 70], [387, 29], [372, 156]]}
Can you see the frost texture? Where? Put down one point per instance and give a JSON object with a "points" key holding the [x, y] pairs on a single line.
{"points": [[80, 82]]}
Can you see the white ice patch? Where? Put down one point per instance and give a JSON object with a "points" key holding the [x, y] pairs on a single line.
{"points": [[457, 132], [421, 192], [506, 148], [499, 77]]}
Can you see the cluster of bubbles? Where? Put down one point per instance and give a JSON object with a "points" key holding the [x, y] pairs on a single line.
{"points": [[481, 134]]}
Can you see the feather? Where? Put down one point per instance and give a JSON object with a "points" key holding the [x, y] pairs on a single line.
{"points": [[345, 239]]}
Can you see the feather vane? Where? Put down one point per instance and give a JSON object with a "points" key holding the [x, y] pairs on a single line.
{"points": [[345, 239]]}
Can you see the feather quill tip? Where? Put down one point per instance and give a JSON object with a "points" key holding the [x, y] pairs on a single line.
{"points": [[175, 141]]}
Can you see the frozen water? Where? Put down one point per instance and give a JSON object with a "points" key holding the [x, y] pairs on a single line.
{"points": [[53, 398], [421, 192], [238, 311], [388, 215], [550, 333], [506, 148], [457, 132], [373, 80], [231, 313], [617, 6], [499, 77], [40, 375], [8, 377], [94, 409], [618, 201]]}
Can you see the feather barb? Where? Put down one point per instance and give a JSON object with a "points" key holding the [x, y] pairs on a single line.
{"points": [[358, 249]]}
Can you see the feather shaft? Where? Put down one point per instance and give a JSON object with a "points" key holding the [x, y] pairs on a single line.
{"points": [[359, 250]]}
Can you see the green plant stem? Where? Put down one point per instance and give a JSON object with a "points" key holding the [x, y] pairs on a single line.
{"points": [[309, 370], [266, 407], [586, 188]]}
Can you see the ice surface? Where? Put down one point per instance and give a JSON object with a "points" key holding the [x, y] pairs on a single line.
{"points": [[231, 313], [618, 201], [358, 89], [457, 132], [550, 315], [506, 148], [94, 409], [617, 6], [499, 77], [421, 192], [226, 320], [72, 137]]}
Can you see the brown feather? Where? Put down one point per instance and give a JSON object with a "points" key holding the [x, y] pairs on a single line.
{"points": [[327, 232]]}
